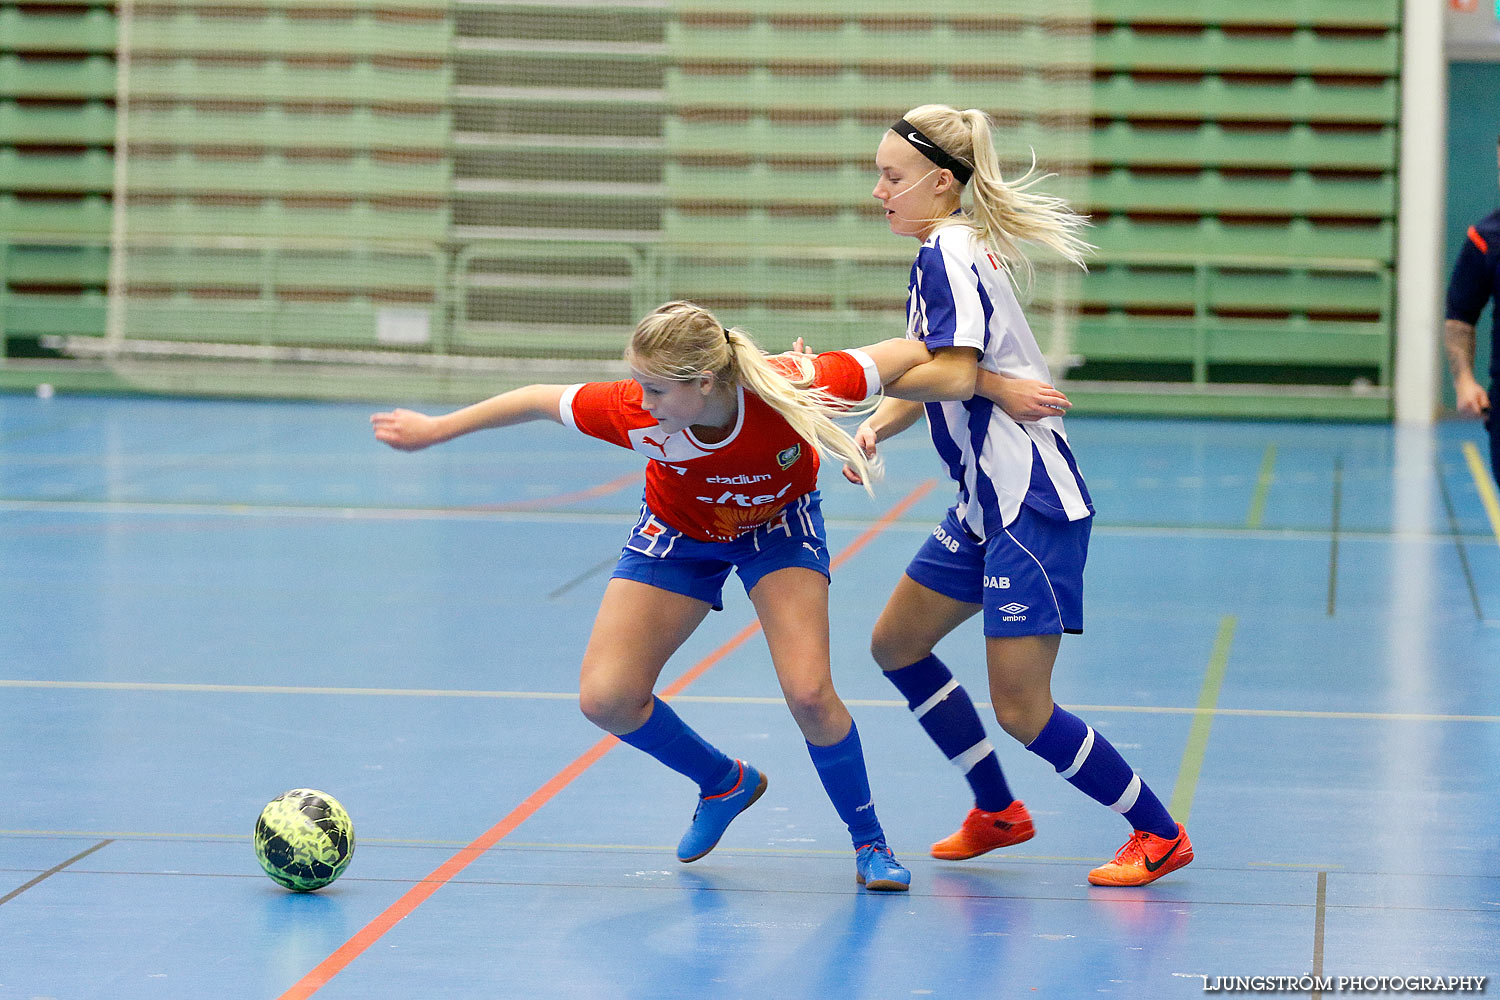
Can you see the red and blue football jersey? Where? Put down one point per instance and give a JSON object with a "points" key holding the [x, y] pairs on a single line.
{"points": [[717, 492]]}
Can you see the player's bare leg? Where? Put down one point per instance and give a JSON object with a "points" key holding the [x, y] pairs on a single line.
{"points": [[793, 607], [1020, 669], [637, 630], [792, 604], [914, 620]]}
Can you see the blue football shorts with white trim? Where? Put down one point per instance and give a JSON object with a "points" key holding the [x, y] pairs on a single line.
{"points": [[1028, 575], [661, 556]]}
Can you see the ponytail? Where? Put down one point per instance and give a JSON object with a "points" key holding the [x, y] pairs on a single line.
{"points": [[1005, 214], [680, 341]]}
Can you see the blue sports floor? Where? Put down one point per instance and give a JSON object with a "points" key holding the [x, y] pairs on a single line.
{"points": [[1293, 633]]}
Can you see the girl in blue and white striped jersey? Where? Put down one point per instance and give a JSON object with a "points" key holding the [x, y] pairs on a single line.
{"points": [[1015, 542]]}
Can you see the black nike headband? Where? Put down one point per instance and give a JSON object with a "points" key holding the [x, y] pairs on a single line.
{"points": [[939, 156]]}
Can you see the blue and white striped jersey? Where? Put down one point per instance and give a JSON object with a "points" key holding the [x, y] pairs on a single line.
{"points": [[960, 296]]}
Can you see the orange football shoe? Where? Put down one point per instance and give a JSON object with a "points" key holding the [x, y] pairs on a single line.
{"points": [[1145, 858], [983, 832]]}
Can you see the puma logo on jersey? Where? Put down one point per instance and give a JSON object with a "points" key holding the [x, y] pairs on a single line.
{"points": [[815, 550], [660, 446]]}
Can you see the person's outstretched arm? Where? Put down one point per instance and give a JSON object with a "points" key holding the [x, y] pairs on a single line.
{"points": [[893, 358], [408, 430]]}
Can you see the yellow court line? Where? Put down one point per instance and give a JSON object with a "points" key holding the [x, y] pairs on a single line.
{"points": [[1203, 719], [1484, 486], [1286, 713], [1262, 488]]}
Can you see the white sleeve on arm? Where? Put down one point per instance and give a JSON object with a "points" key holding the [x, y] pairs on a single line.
{"points": [[565, 406], [872, 373]]}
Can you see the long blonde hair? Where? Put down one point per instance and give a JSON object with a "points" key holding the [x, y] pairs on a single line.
{"points": [[680, 341], [1006, 214]]}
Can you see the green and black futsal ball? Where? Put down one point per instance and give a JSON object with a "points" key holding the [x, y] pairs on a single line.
{"points": [[304, 839]]}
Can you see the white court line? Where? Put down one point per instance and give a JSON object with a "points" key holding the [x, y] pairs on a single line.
{"points": [[916, 525], [173, 688]]}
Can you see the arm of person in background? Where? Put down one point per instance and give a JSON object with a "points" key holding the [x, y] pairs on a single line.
{"points": [[890, 418], [408, 430], [1458, 340], [1023, 399]]}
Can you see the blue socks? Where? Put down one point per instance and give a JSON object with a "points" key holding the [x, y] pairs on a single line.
{"points": [[1094, 767], [841, 768], [945, 711], [667, 738]]}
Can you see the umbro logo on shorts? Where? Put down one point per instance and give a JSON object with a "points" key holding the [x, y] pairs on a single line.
{"points": [[1013, 608]]}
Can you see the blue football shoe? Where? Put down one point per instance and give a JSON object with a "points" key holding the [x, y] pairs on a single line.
{"points": [[877, 869], [716, 812]]}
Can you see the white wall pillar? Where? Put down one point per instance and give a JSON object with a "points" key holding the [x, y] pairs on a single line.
{"points": [[1420, 283]]}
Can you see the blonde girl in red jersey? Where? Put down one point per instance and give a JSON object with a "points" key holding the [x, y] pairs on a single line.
{"points": [[732, 439]]}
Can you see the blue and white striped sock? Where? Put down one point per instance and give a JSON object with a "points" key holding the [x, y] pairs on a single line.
{"points": [[945, 711], [1092, 765]]}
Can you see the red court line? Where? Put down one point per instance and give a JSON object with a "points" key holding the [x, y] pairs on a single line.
{"points": [[419, 893], [603, 489]]}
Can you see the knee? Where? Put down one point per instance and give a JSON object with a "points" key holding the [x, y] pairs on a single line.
{"points": [[614, 708], [816, 708], [892, 650], [1021, 714]]}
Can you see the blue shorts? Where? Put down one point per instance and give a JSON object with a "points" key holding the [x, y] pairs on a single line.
{"points": [[1028, 575], [661, 556]]}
